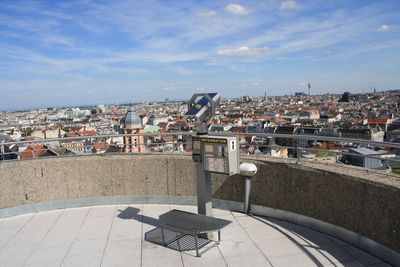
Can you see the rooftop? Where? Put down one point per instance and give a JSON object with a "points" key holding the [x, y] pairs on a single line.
{"points": [[114, 236]]}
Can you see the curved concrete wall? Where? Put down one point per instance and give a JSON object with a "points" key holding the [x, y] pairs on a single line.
{"points": [[362, 202]]}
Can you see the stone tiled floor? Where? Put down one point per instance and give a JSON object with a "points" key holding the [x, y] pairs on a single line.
{"points": [[108, 236]]}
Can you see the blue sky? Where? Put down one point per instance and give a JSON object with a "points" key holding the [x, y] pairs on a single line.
{"points": [[78, 52]]}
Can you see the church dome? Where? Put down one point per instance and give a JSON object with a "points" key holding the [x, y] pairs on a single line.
{"points": [[132, 119]]}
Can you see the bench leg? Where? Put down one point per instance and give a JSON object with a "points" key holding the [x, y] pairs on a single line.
{"points": [[163, 237], [197, 247], [219, 236], [177, 240]]}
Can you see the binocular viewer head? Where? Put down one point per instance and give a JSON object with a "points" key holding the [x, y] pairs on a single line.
{"points": [[201, 107]]}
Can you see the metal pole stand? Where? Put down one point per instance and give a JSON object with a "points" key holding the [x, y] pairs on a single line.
{"points": [[247, 170], [247, 189]]}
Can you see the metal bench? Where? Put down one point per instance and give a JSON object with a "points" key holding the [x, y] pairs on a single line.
{"points": [[187, 223]]}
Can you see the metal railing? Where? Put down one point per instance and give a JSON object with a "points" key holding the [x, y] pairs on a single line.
{"points": [[301, 147]]}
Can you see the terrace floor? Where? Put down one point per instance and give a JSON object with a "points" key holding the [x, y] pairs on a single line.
{"points": [[114, 236]]}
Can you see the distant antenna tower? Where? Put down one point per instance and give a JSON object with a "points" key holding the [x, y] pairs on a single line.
{"points": [[309, 89]]}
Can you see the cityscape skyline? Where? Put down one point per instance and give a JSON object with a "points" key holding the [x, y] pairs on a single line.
{"points": [[76, 53], [298, 94]]}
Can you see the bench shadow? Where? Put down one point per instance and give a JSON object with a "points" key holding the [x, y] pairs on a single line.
{"points": [[184, 243]]}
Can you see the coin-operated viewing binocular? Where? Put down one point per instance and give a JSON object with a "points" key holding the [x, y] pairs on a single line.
{"points": [[201, 109]]}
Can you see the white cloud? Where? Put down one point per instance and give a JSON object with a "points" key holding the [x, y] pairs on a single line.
{"points": [[311, 34], [384, 28], [290, 4], [209, 13], [243, 51], [168, 88], [237, 9]]}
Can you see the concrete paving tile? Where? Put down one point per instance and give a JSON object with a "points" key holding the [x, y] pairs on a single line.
{"points": [[52, 256], [200, 262], [160, 256], [298, 260], [12, 263], [72, 218], [96, 225], [249, 260], [6, 234], [58, 238], [122, 253], [49, 264], [17, 253], [249, 222], [279, 247], [261, 234], [102, 211], [85, 253], [65, 229], [16, 221], [218, 212], [94, 231], [210, 257], [238, 214], [29, 239], [230, 248], [362, 256], [125, 233], [128, 223], [42, 221], [226, 216], [154, 210], [97, 221], [101, 223], [235, 232]]}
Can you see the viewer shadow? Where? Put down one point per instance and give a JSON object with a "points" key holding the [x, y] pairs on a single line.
{"points": [[133, 213]]}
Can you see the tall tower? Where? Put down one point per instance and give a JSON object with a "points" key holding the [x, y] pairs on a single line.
{"points": [[309, 89], [133, 125]]}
